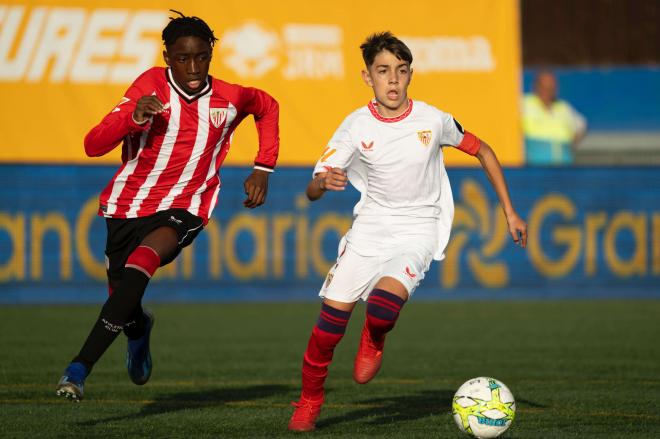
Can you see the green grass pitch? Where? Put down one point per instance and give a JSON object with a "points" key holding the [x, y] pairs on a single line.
{"points": [[577, 370]]}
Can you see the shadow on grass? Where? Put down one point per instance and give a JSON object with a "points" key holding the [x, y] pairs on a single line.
{"points": [[393, 409], [196, 400], [526, 402]]}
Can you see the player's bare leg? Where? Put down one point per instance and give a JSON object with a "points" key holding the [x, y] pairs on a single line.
{"points": [[383, 307], [327, 333]]}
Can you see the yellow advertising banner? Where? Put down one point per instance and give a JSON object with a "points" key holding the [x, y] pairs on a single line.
{"points": [[65, 64]]}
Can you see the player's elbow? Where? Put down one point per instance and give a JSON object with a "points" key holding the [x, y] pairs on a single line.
{"points": [[92, 147], [274, 108], [484, 150], [90, 150]]}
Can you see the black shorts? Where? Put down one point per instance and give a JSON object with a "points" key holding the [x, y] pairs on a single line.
{"points": [[126, 234]]}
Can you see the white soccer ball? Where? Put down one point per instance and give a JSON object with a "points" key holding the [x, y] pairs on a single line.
{"points": [[483, 407]]}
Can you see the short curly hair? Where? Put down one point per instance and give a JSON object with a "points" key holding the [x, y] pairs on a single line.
{"points": [[184, 26]]}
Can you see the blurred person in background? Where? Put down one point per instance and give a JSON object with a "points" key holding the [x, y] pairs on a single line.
{"points": [[176, 125], [551, 126]]}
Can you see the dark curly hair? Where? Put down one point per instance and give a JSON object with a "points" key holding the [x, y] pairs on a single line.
{"points": [[184, 26]]}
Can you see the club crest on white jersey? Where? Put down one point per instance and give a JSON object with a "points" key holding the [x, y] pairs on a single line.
{"points": [[425, 137]]}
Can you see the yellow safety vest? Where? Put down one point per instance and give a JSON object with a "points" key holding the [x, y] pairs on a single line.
{"points": [[548, 132]]}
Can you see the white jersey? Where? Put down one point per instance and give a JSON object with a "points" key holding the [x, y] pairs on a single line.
{"points": [[397, 163]]}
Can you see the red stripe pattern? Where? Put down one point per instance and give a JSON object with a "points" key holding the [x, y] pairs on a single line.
{"points": [[383, 310], [144, 259], [172, 161]]}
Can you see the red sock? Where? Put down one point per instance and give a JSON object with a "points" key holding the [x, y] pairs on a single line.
{"points": [[327, 333], [382, 311]]}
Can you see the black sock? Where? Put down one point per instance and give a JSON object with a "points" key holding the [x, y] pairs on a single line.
{"points": [[117, 311], [135, 326]]}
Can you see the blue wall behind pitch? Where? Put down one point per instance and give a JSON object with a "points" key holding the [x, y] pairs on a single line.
{"points": [[594, 232]]}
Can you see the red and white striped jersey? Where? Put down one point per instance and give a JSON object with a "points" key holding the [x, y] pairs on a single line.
{"points": [[172, 161]]}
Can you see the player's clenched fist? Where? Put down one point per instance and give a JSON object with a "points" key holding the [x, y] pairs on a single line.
{"points": [[146, 107], [333, 180]]}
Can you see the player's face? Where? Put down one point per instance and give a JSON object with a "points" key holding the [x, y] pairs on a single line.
{"points": [[189, 59], [389, 77]]}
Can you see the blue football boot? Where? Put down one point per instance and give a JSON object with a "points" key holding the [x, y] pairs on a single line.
{"points": [[72, 382], [138, 356]]}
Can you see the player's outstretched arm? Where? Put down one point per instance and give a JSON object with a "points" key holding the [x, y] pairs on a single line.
{"points": [[333, 180], [493, 169], [256, 188]]}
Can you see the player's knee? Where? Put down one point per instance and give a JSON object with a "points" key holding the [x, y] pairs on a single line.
{"points": [[144, 259], [164, 241], [384, 305], [332, 321], [113, 285]]}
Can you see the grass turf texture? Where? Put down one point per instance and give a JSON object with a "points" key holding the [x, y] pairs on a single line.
{"points": [[577, 369]]}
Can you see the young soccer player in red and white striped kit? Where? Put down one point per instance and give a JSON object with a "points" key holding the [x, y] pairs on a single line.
{"points": [[175, 124], [391, 151]]}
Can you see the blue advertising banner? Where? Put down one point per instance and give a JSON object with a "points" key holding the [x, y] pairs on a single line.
{"points": [[593, 232]]}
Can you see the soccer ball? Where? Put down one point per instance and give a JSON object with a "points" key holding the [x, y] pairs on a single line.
{"points": [[483, 407]]}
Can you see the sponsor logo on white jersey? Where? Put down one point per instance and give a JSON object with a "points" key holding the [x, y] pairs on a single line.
{"points": [[367, 146], [410, 273]]}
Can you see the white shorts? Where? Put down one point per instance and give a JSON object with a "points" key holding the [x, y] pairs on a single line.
{"points": [[375, 249]]}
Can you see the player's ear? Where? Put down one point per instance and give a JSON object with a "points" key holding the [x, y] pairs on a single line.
{"points": [[366, 77], [166, 57]]}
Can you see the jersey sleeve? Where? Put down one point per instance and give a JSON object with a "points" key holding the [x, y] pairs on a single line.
{"points": [[119, 123], [454, 135], [266, 112], [339, 152]]}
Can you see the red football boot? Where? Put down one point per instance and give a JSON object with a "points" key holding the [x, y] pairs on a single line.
{"points": [[368, 359], [305, 415]]}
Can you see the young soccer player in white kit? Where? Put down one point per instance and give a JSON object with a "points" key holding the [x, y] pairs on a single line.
{"points": [[391, 151]]}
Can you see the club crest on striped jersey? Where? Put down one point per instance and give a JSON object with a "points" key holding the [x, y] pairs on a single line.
{"points": [[217, 116], [424, 137]]}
